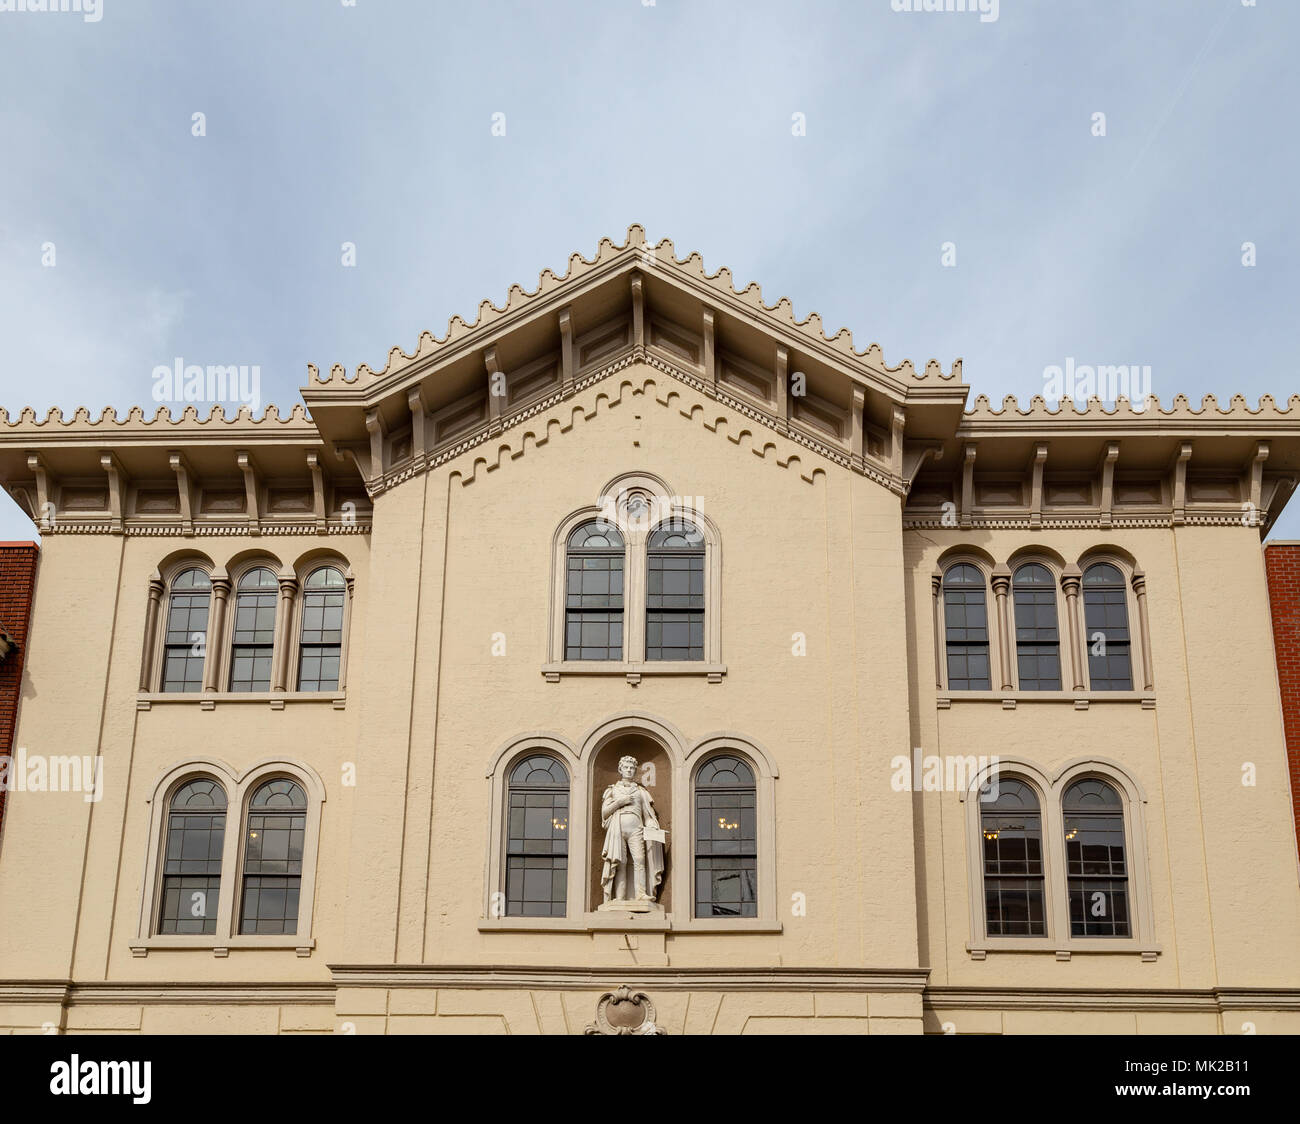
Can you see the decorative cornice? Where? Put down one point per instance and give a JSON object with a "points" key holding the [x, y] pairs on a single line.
{"points": [[295, 422], [1094, 409], [502, 428], [660, 260]]}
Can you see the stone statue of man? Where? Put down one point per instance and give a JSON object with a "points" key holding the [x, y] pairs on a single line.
{"points": [[626, 812]]}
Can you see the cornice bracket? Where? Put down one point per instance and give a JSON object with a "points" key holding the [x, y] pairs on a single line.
{"points": [[252, 491], [113, 470], [180, 466], [1110, 454]]}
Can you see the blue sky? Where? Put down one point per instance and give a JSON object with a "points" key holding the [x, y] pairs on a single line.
{"points": [[372, 124]]}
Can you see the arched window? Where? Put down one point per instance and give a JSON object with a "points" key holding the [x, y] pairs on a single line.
{"points": [[273, 844], [253, 639], [320, 647], [191, 875], [1096, 863], [1105, 618], [726, 839], [187, 632], [593, 612], [1038, 643], [674, 602], [1012, 830], [966, 628], [537, 838]]}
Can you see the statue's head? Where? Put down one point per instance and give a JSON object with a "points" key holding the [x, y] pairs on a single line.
{"points": [[627, 767]]}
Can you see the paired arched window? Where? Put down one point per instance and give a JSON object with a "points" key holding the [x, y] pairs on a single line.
{"points": [[1019, 872], [1105, 618], [537, 838], [726, 839], [191, 876], [245, 883], [1038, 643], [637, 592], [266, 634], [593, 602], [186, 637], [966, 628], [674, 600]]}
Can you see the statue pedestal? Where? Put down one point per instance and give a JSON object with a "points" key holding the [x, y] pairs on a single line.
{"points": [[617, 906]]}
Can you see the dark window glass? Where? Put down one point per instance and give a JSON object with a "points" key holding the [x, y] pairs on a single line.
{"points": [[186, 639], [537, 838], [1096, 866], [726, 839], [191, 884], [320, 647], [593, 602], [253, 640], [966, 627], [674, 622], [1105, 618], [1012, 829], [273, 842], [1038, 645]]}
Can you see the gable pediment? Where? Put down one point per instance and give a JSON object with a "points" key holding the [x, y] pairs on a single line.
{"points": [[633, 303]]}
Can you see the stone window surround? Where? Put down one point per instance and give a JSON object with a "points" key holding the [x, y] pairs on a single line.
{"points": [[221, 616], [239, 789], [634, 666], [1050, 791], [686, 758], [1003, 665]]}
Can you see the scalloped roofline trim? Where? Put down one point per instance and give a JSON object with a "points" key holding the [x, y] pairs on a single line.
{"points": [[1179, 407], [661, 257]]}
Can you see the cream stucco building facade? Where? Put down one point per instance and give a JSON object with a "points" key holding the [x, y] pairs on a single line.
{"points": [[337, 668]]}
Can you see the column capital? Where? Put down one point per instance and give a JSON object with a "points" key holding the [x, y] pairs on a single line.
{"points": [[1071, 578], [1001, 578]]}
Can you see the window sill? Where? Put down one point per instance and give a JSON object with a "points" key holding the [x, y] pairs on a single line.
{"points": [[221, 947], [208, 700], [634, 671], [1064, 950], [1082, 700], [629, 923]]}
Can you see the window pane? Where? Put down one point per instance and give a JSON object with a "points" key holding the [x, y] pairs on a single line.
{"points": [[537, 838], [1038, 650], [191, 885], [726, 839], [966, 629], [1012, 838], [1096, 862], [1105, 616]]}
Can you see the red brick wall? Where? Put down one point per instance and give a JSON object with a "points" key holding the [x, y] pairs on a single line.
{"points": [[17, 584], [1282, 562]]}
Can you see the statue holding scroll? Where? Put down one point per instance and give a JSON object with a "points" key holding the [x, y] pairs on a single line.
{"points": [[633, 852]]}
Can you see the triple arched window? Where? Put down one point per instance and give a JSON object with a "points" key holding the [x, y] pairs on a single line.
{"points": [[719, 851], [265, 630], [254, 882], [1055, 860], [1047, 626]]}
